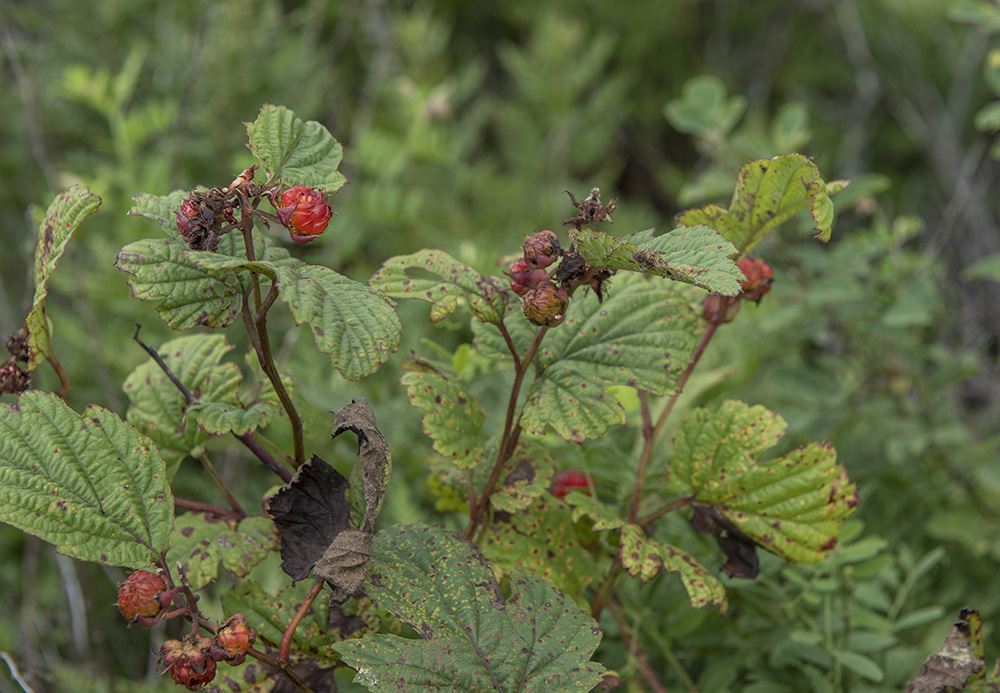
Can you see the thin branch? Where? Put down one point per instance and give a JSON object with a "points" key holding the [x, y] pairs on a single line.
{"points": [[286, 639]]}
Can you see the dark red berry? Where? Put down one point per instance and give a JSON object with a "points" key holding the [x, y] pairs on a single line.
{"points": [[139, 597], [569, 480], [541, 249], [524, 277], [759, 278], [305, 212], [189, 660], [546, 305], [718, 309]]}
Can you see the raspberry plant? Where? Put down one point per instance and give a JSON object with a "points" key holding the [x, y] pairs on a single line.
{"points": [[581, 334]]}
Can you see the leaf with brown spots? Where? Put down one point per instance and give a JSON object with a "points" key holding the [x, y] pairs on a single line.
{"points": [[695, 255], [960, 661], [441, 280], [768, 193], [62, 218], [199, 543], [474, 639], [527, 475], [301, 152], [792, 506], [88, 483], [641, 336]]}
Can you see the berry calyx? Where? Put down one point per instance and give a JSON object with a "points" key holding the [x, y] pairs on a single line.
{"points": [[139, 598], [304, 212], [189, 660], [570, 480], [759, 278], [235, 638]]}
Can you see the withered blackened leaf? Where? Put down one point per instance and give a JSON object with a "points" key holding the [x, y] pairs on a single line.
{"points": [[740, 550], [374, 460], [958, 660], [345, 563], [319, 679], [310, 512]]}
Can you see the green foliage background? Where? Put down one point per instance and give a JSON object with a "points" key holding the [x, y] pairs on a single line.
{"points": [[462, 123]]}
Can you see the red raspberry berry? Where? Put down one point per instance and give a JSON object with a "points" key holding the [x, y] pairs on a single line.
{"points": [[569, 480], [189, 661], [759, 278], [139, 597], [541, 249], [523, 277], [305, 212], [235, 638], [546, 305]]}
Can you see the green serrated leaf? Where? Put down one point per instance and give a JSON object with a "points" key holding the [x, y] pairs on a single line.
{"points": [[301, 153], [793, 506], [160, 208], [199, 543], [62, 218], [88, 483], [453, 418], [475, 640], [543, 541], [645, 557], [768, 193], [270, 615], [642, 336], [219, 418], [439, 279], [695, 255]]}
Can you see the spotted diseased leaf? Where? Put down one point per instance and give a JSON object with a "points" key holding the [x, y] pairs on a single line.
{"points": [[528, 474], [695, 255], [159, 410], [792, 506], [62, 218], [371, 472], [959, 663], [301, 153], [439, 279], [356, 326], [89, 483], [160, 208], [646, 557], [768, 193], [453, 418], [474, 639], [642, 336], [544, 541], [199, 543]]}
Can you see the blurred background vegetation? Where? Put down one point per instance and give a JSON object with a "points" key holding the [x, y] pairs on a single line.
{"points": [[463, 122]]}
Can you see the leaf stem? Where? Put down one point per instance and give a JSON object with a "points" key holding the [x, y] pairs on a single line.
{"points": [[61, 372], [706, 338], [195, 506], [511, 433], [254, 446], [286, 639]]}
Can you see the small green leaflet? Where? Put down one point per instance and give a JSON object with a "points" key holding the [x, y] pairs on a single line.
{"points": [[453, 418], [642, 336], [439, 279], [695, 255], [88, 483], [768, 193], [356, 326], [160, 208], [792, 506], [301, 153], [62, 218], [199, 543], [158, 408], [475, 640], [646, 557]]}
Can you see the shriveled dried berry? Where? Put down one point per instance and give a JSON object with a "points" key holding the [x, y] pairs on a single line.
{"points": [[546, 305], [189, 661], [235, 638], [541, 249], [759, 278], [304, 212], [139, 597], [13, 378], [524, 277], [203, 218]]}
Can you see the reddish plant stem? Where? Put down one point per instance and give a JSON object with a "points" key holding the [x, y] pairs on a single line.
{"points": [[195, 506], [668, 508], [511, 433], [644, 457], [286, 639], [254, 446], [709, 333], [63, 375]]}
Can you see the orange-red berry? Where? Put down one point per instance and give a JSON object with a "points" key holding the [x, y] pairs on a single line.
{"points": [[569, 480], [139, 596], [235, 638], [759, 278], [189, 660], [305, 212]]}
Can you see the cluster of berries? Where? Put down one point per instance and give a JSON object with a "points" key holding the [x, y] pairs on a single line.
{"points": [[143, 598], [13, 378], [758, 279], [544, 303], [206, 215]]}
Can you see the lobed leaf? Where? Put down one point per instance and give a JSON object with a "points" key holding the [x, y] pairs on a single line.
{"points": [[88, 483], [474, 639], [301, 153], [642, 336], [695, 255], [62, 218], [439, 279], [160, 208], [453, 418], [199, 543], [793, 506], [768, 193]]}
